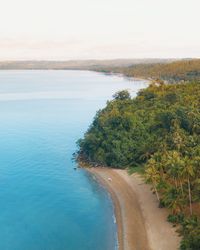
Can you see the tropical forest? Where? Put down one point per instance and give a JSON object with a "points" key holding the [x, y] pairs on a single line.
{"points": [[158, 135], [177, 70]]}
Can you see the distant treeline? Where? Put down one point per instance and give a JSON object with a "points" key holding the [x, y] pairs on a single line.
{"points": [[75, 64], [159, 133], [182, 70], [166, 69]]}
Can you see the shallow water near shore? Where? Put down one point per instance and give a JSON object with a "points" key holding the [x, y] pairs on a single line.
{"points": [[45, 203]]}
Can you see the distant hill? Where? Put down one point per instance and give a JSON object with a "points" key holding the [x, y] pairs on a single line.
{"points": [[77, 64], [165, 69], [170, 71]]}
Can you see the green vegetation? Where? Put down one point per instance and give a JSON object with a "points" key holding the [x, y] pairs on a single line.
{"points": [[182, 70], [159, 132], [75, 64]]}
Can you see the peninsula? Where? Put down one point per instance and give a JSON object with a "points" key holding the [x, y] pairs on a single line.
{"points": [[158, 135]]}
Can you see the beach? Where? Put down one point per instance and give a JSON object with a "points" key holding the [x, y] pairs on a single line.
{"points": [[142, 225]]}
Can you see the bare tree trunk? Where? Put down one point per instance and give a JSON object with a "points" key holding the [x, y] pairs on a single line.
{"points": [[176, 183], [190, 196], [181, 187], [157, 195]]}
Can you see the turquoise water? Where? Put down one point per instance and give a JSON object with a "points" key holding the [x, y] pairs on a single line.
{"points": [[44, 203]]}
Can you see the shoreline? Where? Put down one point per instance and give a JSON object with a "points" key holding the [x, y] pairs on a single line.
{"points": [[117, 209], [141, 224]]}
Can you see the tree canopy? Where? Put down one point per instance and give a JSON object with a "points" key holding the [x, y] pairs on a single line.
{"points": [[181, 70], [159, 130]]}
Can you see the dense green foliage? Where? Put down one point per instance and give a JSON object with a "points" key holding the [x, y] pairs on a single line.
{"points": [[160, 131], [191, 233], [130, 131], [175, 71]]}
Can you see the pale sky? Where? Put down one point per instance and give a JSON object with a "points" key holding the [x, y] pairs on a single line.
{"points": [[99, 29]]}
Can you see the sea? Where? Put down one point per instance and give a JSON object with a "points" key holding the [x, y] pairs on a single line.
{"points": [[45, 202]]}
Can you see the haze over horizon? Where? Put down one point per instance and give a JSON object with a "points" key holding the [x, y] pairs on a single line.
{"points": [[98, 29]]}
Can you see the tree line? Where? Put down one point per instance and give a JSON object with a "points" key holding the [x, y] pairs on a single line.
{"points": [[182, 70], [157, 132]]}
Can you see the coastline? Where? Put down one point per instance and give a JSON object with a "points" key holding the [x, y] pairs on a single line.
{"points": [[131, 78], [141, 224]]}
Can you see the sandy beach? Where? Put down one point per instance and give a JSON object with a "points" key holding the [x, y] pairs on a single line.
{"points": [[141, 224]]}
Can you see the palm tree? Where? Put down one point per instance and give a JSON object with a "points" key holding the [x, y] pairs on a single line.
{"points": [[152, 175], [189, 173], [173, 199], [174, 166]]}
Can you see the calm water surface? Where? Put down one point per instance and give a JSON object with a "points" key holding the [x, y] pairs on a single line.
{"points": [[44, 203]]}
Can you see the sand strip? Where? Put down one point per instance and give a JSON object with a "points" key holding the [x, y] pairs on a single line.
{"points": [[141, 224]]}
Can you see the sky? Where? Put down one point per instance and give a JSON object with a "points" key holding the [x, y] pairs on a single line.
{"points": [[99, 29]]}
